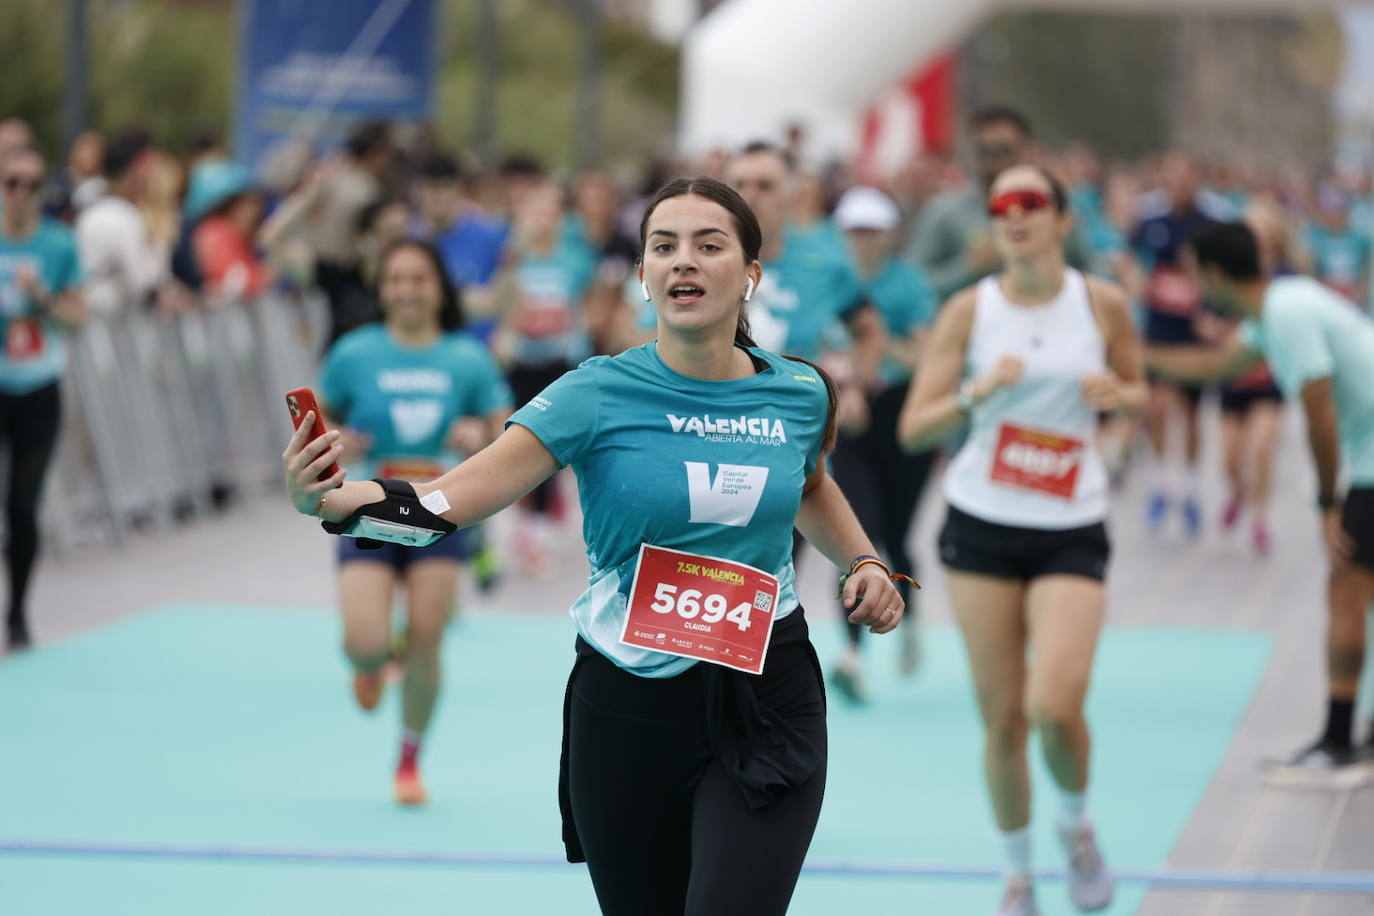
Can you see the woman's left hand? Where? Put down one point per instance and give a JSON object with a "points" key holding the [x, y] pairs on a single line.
{"points": [[873, 599], [1103, 391], [468, 435]]}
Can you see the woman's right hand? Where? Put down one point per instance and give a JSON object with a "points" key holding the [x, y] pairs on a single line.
{"points": [[304, 461], [1006, 373]]}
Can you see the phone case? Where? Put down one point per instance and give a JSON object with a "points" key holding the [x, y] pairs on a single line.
{"points": [[300, 402]]}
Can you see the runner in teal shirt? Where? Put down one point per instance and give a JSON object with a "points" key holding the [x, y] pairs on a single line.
{"points": [[701, 442], [40, 298], [406, 399], [652, 447], [412, 396], [44, 260], [1321, 350]]}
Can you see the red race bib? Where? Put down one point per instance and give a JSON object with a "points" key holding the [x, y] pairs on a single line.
{"points": [[412, 470], [1029, 459], [23, 339], [704, 608], [540, 319], [1173, 292]]}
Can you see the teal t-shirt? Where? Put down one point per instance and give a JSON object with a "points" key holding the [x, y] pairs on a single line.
{"points": [[713, 468], [551, 325], [906, 301], [406, 398], [1308, 332], [50, 253], [802, 294], [1340, 258]]}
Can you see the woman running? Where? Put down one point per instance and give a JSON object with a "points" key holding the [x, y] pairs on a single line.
{"points": [[40, 297], [1041, 349], [687, 788], [410, 397]]}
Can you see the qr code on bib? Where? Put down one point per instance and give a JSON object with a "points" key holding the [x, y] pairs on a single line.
{"points": [[763, 601]]}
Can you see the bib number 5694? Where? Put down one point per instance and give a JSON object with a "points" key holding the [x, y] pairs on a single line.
{"points": [[690, 602]]}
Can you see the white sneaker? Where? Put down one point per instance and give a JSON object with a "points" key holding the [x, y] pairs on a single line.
{"points": [[1018, 899], [1091, 884]]}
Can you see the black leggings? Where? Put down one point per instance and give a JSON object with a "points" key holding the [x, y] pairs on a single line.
{"points": [[883, 484], [665, 830], [525, 383], [28, 425]]}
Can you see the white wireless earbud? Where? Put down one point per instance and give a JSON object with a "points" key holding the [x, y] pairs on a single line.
{"points": [[748, 289], [644, 286]]}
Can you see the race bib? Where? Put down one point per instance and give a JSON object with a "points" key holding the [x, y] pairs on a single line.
{"points": [[23, 339], [539, 319], [704, 608], [411, 470], [1173, 292], [1030, 459]]}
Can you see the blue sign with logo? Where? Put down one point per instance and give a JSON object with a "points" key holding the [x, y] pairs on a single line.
{"points": [[312, 69]]}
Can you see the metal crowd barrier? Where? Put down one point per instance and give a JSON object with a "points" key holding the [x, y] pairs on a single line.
{"points": [[163, 414]]}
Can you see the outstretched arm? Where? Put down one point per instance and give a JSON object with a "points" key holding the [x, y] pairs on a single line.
{"points": [[1193, 363], [481, 486]]}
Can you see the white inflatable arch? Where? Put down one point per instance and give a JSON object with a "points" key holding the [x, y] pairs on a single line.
{"points": [[752, 66]]}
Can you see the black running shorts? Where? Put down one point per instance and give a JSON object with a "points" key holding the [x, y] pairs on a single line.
{"points": [[970, 544], [1357, 518]]}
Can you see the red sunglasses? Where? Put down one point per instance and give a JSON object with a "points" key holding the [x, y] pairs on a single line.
{"points": [[1025, 201]]}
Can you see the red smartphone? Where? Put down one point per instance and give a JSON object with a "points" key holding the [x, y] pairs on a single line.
{"points": [[300, 402]]}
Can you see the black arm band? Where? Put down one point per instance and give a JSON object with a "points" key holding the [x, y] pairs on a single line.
{"points": [[398, 519], [1327, 501]]}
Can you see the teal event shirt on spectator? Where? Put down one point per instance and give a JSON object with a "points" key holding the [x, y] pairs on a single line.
{"points": [[802, 293], [406, 398], [713, 468], [50, 253], [1307, 332], [1341, 259], [906, 302], [551, 320]]}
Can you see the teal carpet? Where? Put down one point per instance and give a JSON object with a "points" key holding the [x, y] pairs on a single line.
{"points": [[197, 725]]}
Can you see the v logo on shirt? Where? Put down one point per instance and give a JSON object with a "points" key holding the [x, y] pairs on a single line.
{"points": [[731, 499]]}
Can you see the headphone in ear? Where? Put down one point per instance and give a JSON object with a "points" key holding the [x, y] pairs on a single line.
{"points": [[644, 286], [748, 289]]}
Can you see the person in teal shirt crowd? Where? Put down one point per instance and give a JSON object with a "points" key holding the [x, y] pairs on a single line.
{"points": [[882, 481], [412, 396], [1340, 255], [1321, 350], [544, 333], [40, 300], [686, 785], [808, 283]]}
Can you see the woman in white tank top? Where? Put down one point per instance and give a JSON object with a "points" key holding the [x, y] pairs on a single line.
{"points": [[1030, 357]]}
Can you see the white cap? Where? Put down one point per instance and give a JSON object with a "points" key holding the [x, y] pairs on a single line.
{"points": [[866, 208]]}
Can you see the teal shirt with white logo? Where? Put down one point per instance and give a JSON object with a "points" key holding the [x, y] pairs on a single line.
{"points": [[49, 252], [803, 293], [406, 398], [1308, 332], [1339, 258], [906, 301], [713, 468], [551, 326]]}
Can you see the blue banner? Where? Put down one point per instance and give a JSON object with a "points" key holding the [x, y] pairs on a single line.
{"points": [[314, 68]]}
